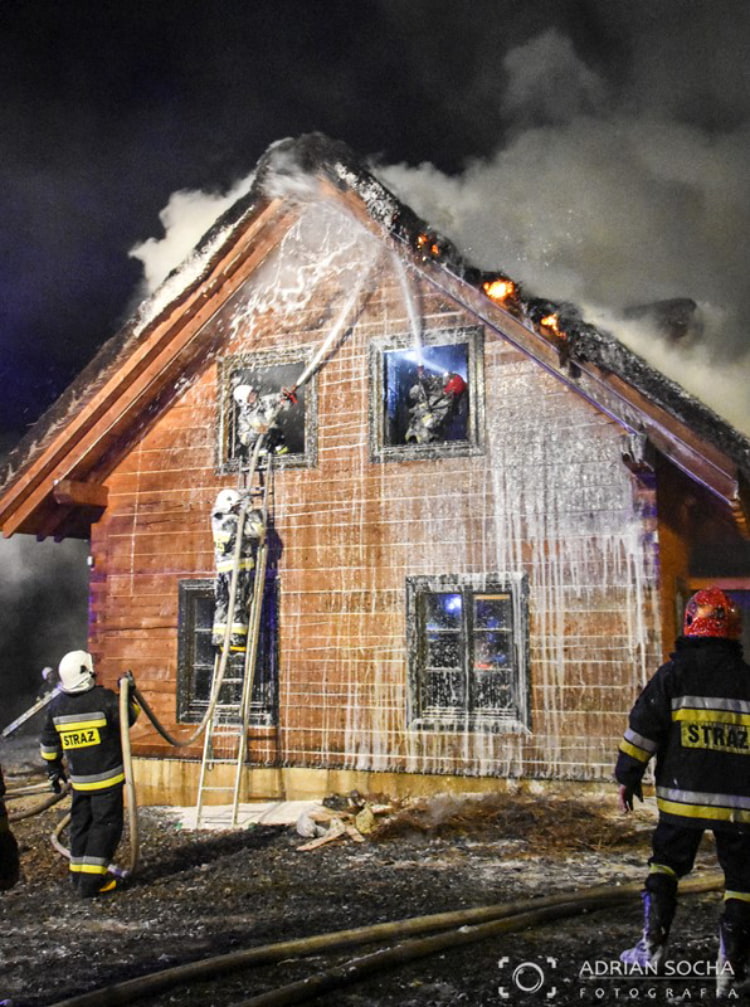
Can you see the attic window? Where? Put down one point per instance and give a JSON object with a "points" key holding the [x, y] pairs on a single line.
{"points": [[426, 399], [250, 393], [468, 652], [196, 655]]}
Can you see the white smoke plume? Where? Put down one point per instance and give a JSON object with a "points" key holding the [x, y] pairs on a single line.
{"points": [[185, 219], [608, 196], [608, 207]]}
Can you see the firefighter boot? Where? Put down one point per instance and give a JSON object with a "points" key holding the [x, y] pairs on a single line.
{"points": [[734, 946], [659, 904]]}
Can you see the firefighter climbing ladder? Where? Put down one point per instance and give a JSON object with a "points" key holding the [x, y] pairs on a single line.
{"points": [[231, 721], [225, 738]]}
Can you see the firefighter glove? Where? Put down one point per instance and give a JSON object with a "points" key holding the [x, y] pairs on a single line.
{"points": [[629, 791], [57, 777]]}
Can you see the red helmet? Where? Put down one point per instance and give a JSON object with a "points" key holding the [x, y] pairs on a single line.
{"points": [[711, 612], [454, 385]]}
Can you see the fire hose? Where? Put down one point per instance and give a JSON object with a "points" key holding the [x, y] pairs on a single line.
{"points": [[337, 333], [448, 930], [50, 801]]}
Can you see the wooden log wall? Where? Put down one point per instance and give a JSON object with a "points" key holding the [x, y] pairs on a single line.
{"points": [[549, 497]]}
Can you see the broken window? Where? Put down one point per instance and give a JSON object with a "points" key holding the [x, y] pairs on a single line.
{"points": [[426, 398], [467, 651], [196, 657], [252, 401]]}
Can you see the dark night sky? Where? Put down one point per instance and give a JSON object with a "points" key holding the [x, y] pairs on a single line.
{"points": [[109, 107], [494, 119]]}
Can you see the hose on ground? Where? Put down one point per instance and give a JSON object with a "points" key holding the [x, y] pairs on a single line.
{"points": [[37, 788], [453, 928], [49, 802]]}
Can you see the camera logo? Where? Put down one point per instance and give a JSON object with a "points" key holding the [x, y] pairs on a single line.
{"points": [[527, 977]]}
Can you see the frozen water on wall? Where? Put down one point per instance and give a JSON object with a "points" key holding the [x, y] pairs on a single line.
{"points": [[562, 512], [324, 242]]}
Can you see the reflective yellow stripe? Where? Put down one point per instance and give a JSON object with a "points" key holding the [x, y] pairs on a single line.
{"points": [[100, 784], [637, 753], [712, 716], [742, 896], [661, 869], [79, 725], [703, 811]]}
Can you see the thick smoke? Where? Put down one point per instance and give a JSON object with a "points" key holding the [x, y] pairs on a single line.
{"points": [[43, 614], [185, 218], [609, 192], [609, 203]]}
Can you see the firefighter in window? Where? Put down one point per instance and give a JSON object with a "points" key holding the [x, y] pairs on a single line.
{"points": [[83, 726], [256, 416], [435, 401], [225, 523]]}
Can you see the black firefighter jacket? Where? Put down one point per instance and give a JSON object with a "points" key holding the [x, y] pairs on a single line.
{"points": [[85, 728], [694, 716]]}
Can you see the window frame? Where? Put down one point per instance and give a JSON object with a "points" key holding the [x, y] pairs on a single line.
{"points": [[190, 709], [295, 358], [380, 451], [470, 586]]}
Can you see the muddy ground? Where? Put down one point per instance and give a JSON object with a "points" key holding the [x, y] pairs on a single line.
{"points": [[201, 894]]}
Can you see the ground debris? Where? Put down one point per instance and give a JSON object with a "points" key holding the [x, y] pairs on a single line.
{"points": [[197, 894], [352, 817], [548, 823]]}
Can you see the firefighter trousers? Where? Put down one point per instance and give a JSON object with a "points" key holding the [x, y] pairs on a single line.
{"points": [[675, 847], [96, 825]]}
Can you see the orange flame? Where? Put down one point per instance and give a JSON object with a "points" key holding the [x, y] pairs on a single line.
{"points": [[552, 322], [499, 290], [428, 244]]}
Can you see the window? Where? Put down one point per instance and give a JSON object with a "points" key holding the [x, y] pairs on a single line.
{"points": [[250, 388], [426, 399], [468, 652], [196, 656]]}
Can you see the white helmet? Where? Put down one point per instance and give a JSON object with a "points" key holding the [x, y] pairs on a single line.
{"points": [[76, 671], [242, 393], [226, 500]]}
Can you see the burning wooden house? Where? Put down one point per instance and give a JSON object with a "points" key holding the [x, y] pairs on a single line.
{"points": [[484, 521]]}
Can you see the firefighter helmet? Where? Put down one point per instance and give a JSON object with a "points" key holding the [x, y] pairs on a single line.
{"points": [[711, 612], [226, 501], [242, 394], [76, 671], [454, 385]]}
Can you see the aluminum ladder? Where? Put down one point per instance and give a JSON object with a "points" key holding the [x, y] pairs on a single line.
{"points": [[225, 739]]}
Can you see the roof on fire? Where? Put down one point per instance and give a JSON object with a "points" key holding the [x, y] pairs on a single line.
{"points": [[51, 484]]}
